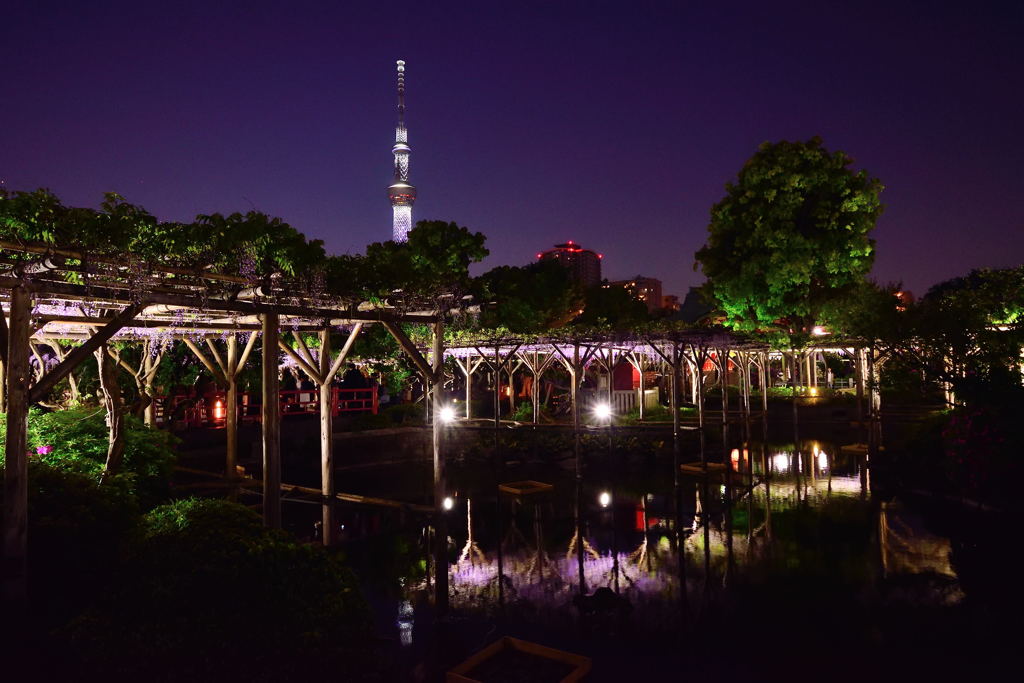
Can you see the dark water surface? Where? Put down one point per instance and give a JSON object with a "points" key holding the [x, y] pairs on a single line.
{"points": [[794, 564]]}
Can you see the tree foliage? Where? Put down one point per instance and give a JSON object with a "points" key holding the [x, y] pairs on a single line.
{"points": [[790, 235], [435, 260], [253, 244], [612, 307], [531, 298]]}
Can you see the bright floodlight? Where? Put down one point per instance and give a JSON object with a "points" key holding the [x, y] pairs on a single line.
{"points": [[602, 411], [604, 499], [447, 503], [447, 414]]}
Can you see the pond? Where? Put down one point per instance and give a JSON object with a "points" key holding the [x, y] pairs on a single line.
{"points": [[790, 558]]}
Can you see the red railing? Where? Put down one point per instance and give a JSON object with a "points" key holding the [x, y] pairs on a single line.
{"points": [[211, 409]]}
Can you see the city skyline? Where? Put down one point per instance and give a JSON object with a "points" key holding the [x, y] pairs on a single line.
{"points": [[547, 124]]}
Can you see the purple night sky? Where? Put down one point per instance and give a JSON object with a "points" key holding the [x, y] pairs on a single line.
{"points": [[612, 124]]}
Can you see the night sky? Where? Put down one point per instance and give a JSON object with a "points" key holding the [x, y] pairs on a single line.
{"points": [[612, 124]]}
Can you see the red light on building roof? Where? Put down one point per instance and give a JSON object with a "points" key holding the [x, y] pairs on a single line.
{"points": [[569, 242], [600, 256], [538, 255]]}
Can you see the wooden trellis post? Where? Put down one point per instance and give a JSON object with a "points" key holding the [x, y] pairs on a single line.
{"points": [[225, 373], [440, 484], [323, 372], [271, 423], [18, 375]]}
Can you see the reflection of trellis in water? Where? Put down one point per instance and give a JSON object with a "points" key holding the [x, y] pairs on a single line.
{"points": [[537, 570], [471, 551]]}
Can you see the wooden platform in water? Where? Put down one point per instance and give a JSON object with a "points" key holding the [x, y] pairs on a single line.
{"points": [[525, 488]]}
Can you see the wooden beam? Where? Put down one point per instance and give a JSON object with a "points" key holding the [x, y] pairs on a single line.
{"points": [[193, 301], [79, 354]]}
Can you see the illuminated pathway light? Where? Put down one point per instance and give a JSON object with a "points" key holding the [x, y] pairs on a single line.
{"points": [[602, 411], [447, 503], [604, 499], [447, 414]]}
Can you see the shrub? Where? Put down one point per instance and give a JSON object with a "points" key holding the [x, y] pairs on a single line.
{"points": [[77, 534], [75, 440], [209, 592]]}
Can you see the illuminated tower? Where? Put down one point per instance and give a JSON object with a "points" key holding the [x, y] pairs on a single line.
{"points": [[402, 194]]}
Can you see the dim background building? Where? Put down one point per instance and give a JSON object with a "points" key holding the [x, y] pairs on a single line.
{"points": [[645, 289], [584, 264]]}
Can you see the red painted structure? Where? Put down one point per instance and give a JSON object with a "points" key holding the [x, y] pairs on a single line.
{"points": [[209, 410]]}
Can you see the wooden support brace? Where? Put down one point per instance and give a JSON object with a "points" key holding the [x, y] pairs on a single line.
{"points": [[76, 356], [410, 349], [218, 374], [345, 350]]}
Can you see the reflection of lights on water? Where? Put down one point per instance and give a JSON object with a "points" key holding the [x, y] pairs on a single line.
{"points": [[780, 461], [405, 623], [820, 456], [737, 458], [447, 414], [604, 499], [447, 503]]}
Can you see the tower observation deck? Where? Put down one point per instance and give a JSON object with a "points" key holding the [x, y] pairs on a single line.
{"points": [[401, 192]]}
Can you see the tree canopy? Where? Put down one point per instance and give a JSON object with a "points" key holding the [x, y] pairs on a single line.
{"points": [[790, 235], [531, 298]]}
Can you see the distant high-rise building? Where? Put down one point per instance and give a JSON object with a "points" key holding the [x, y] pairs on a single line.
{"points": [[401, 192], [584, 264], [645, 289], [670, 302]]}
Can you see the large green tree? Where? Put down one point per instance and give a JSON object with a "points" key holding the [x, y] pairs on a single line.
{"points": [[790, 235]]}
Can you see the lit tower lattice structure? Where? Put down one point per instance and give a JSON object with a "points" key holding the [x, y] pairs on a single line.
{"points": [[401, 193]]}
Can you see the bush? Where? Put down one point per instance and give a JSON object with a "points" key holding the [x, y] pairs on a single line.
{"points": [[209, 592], [75, 440], [77, 534]]}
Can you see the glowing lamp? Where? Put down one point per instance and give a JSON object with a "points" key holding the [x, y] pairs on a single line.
{"points": [[447, 414], [602, 411], [218, 410], [605, 499], [448, 503]]}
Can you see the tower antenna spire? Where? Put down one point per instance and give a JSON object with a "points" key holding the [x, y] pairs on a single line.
{"points": [[401, 192]]}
